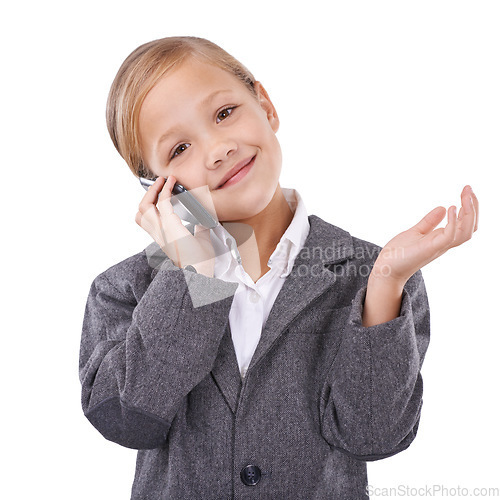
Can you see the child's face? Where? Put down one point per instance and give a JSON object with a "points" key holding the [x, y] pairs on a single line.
{"points": [[207, 140]]}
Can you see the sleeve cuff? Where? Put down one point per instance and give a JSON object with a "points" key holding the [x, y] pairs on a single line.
{"points": [[202, 289], [356, 316]]}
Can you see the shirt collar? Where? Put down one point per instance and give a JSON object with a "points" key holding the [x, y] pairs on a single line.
{"points": [[283, 257]]}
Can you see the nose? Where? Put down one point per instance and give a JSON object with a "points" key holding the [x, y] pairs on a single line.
{"points": [[219, 151]]}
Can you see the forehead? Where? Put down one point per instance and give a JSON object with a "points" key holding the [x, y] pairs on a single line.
{"points": [[192, 79]]}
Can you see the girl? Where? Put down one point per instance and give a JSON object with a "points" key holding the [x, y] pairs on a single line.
{"points": [[271, 356]]}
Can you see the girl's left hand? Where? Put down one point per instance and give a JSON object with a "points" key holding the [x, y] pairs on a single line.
{"points": [[411, 250]]}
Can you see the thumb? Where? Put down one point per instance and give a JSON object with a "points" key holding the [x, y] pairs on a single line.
{"points": [[201, 232], [431, 220]]}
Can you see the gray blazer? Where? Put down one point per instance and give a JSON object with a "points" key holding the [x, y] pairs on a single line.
{"points": [[322, 394]]}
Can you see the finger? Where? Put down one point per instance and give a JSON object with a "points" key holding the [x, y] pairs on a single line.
{"points": [[450, 229], [430, 221], [172, 229], [148, 216], [201, 231], [151, 195], [160, 222], [476, 208], [165, 198], [463, 195], [202, 235], [466, 219], [445, 237]]}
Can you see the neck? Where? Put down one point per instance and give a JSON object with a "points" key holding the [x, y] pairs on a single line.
{"points": [[268, 227]]}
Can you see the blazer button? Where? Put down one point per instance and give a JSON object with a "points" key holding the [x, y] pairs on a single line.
{"points": [[250, 475]]}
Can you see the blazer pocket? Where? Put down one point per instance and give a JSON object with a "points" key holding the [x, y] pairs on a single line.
{"points": [[322, 320], [314, 339]]}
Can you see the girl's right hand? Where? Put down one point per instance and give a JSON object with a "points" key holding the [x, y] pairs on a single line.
{"points": [[166, 228]]}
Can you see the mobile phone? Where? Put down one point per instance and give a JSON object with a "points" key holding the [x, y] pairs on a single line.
{"points": [[186, 206]]}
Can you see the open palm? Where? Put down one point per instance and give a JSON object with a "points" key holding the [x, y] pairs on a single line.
{"points": [[412, 249]]}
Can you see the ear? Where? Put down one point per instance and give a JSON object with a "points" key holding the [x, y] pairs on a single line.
{"points": [[267, 105]]}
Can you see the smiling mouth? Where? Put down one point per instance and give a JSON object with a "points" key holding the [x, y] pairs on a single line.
{"points": [[239, 175]]}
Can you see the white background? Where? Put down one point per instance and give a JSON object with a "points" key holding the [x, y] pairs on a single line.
{"points": [[388, 109]]}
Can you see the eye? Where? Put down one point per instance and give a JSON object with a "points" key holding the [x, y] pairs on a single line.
{"points": [[227, 111], [223, 112], [177, 149]]}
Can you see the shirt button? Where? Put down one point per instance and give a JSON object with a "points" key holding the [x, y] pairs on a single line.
{"points": [[250, 475], [254, 297]]}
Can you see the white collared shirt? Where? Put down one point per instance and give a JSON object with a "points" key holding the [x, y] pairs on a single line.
{"points": [[253, 301]]}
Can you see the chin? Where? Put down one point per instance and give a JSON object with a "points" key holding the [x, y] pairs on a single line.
{"points": [[247, 204]]}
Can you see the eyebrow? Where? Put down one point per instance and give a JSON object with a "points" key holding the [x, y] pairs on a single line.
{"points": [[207, 100]]}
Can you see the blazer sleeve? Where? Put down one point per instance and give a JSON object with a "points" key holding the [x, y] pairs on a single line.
{"points": [[372, 397], [140, 355]]}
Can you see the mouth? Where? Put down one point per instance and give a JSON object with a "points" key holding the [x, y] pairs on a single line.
{"points": [[237, 173]]}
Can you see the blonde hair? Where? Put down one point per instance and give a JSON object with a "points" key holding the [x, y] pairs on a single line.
{"points": [[138, 74]]}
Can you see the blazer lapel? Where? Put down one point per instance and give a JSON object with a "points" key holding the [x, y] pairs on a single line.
{"points": [[226, 372], [325, 244]]}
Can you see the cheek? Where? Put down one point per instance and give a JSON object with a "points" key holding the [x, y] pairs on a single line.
{"points": [[255, 127], [274, 148], [263, 136]]}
